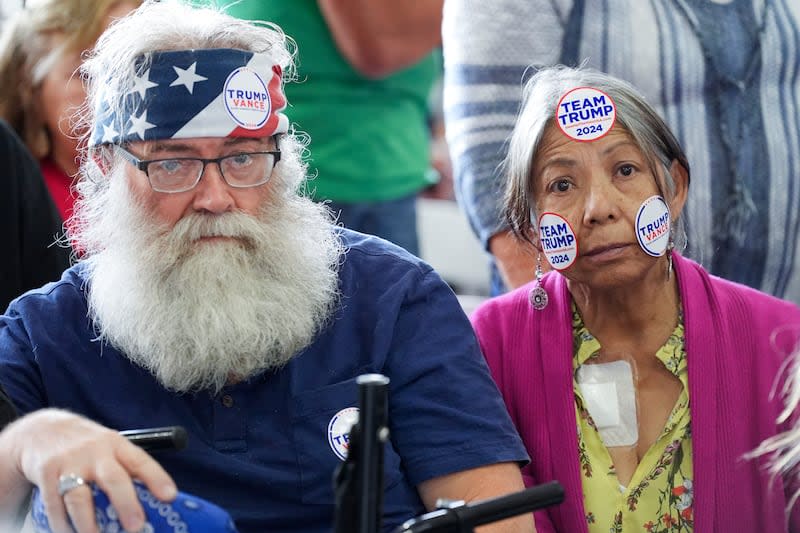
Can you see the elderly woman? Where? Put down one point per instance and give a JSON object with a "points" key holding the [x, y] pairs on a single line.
{"points": [[40, 52], [635, 378]]}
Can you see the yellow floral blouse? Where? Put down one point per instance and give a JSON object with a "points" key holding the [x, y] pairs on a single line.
{"points": [[659, 497]]}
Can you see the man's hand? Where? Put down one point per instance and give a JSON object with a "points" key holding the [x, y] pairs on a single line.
{"points": [[45, 445], [480, 484], [516, 260]]}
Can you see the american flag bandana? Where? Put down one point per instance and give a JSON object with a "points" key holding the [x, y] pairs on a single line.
{"points": [[196, 93]]}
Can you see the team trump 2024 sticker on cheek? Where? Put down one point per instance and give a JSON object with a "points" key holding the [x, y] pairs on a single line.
{"points": [[558, 241], [652, 226], [585, 114]]}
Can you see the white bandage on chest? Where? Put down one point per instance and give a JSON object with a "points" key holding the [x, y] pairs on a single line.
{"points": [[609, 394]]}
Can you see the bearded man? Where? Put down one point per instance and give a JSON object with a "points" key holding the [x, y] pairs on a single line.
{"points": [[214, 296]]}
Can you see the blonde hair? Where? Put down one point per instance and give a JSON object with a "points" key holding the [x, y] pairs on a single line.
{"points": [[27, 56], [782, 451]]}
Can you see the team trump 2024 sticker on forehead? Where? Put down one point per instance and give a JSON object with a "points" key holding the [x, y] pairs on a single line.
{"points": [[558, 241], [585, 114], [652, 226]]}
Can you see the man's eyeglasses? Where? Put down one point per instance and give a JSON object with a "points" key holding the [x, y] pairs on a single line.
{"points": [[179, 174]]}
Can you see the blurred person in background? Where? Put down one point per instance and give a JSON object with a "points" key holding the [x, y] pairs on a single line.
{"points": [[722, 73], [365, 69], [40, 53], [441, 171], [29, 221]]}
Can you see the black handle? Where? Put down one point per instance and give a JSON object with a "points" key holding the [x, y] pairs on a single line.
{"points": [[155, 439], [373, 419], [464, 518]]}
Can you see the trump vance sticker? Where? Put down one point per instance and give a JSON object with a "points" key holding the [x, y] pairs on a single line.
{"points": [[247, 99], [652, 226]]}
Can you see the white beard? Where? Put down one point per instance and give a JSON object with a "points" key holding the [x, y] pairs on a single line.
{"points": [[198, 315]]}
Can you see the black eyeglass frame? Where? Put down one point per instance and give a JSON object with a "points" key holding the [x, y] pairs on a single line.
{"points": [[142, 165]]}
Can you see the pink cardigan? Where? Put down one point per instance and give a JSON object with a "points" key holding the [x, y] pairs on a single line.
{"points": [[735, 344]]}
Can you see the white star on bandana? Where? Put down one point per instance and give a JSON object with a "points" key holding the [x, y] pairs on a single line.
{"points": [[139, 125], [109, 133], [187, 77], [141, 84]]}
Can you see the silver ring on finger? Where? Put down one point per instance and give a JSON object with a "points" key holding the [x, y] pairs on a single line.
{"points": [[67, 482]]}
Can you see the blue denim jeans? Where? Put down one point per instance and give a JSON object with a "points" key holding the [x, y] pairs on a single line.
{"points": [[393, 220]]}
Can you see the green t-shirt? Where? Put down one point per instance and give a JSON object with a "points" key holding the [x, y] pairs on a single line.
{"points": [[369, 138]]}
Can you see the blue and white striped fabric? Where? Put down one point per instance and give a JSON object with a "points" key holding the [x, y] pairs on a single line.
{"points": [[743, 212]]}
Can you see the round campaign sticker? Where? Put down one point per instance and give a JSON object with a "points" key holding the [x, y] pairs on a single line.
{"points": [[246, 98], [585, 114], [339, 431], [558, 241], [652, 226]]}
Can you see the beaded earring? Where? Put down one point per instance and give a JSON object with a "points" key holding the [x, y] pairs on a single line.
{"points": [[538, 296]]}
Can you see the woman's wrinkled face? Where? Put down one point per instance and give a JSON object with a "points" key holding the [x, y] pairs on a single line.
{"points": [[61, 92], [597, 187]]}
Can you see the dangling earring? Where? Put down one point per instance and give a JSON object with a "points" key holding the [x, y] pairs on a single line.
{"points": [[538, 296], [670, 246]]}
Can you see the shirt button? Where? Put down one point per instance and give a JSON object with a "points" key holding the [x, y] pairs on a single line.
{"points": [[227, 400]]}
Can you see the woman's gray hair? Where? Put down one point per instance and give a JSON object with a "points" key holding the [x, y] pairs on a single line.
{"points": [[540, 98]]}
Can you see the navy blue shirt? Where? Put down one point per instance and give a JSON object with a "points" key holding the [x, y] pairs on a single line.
{"points": [[266, 449]]}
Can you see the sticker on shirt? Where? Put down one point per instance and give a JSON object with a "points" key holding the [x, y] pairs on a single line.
{"points": [[653, 225], [247, 98], [585, 114], [558, 241], [339, 431]]}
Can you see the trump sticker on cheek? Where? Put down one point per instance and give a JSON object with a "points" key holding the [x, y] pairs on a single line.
{"points": [[652, 226], [558, 241], [585, 114]]}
